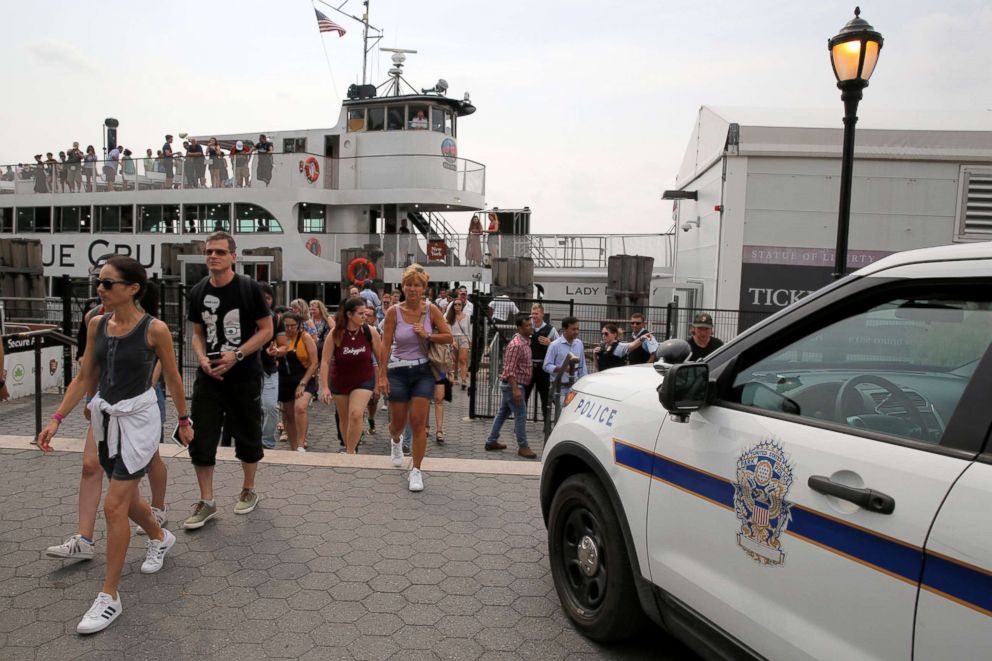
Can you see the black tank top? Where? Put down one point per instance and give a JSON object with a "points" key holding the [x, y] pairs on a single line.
{"points": [[126, 362]]}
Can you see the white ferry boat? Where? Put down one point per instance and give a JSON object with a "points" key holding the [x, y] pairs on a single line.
{"points": [[322, 209]]}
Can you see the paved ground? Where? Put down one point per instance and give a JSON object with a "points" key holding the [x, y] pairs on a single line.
{"points": [[336, 563]]}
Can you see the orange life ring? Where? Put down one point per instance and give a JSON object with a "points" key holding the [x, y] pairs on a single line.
{"points": [[367, 265], [310, 168]]}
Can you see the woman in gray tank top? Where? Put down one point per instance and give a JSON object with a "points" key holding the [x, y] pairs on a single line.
{"points": [[125, 420]]}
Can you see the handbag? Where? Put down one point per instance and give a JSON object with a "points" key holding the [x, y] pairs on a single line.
{"points": [[439, 355]]}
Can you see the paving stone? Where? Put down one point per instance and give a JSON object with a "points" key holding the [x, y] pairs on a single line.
{"points": [[287, 645]]}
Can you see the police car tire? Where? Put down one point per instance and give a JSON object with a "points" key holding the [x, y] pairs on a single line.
{"points": [[615, 614]]}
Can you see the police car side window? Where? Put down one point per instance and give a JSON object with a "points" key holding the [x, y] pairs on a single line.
{"points": [[897, 368]]}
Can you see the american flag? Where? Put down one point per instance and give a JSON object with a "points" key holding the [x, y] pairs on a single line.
{"points": [[325, 24]]}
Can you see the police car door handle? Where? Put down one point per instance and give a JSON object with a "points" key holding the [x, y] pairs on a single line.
{"points": [[873, 501]]}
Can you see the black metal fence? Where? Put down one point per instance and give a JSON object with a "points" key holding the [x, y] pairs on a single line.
{"points": [[490, 336]]}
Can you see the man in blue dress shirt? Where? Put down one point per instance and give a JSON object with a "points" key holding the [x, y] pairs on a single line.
{"points": [[568, 347]]}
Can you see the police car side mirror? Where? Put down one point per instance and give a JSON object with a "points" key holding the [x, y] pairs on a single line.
{"points": [[684, 389]]}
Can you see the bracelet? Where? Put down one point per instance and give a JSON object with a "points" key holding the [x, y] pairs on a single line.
{"points": [[184, 422], [58, 417], [183, 417]]}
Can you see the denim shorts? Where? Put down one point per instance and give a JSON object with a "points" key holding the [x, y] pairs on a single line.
{"points": [[406, 383]]}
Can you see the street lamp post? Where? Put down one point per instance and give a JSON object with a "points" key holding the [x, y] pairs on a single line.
{"points": [[854, 54]]}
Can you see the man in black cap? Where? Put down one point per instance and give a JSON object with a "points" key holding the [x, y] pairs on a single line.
{"points": [[702, 341]]}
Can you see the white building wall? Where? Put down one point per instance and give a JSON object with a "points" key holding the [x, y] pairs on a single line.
{"points": [[697, 250], [895, 205]]}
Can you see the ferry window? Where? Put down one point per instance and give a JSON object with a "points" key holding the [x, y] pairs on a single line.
{"points": [[6, 220], [377, 119], [250, 218], [294, 145], [418, 118], [72, 219], [163, 218], [394, 118], [206, 218], [356, 119], [34, 219], [115, 218], [313, 218], [439, 118]]}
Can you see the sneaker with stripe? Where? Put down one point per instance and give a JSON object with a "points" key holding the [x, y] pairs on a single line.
{"points": [[105, 609], [74, 548], [155, 552]]}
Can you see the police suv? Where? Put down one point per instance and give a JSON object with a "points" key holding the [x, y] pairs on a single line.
{"points": [[819, 487]]}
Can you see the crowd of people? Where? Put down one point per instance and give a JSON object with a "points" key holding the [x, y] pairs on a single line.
{"points": [[76, 170], [257, 361]]}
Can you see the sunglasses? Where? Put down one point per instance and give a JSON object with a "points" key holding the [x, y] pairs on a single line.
{"points": [[637, 323], [220, 252], [108, 283], [604, 334]]}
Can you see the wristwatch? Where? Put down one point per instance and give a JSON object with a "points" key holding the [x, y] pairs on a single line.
{"points": [[239, 355]]}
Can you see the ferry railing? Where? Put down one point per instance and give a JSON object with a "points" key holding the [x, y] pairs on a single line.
{"points": [[254, 170]]}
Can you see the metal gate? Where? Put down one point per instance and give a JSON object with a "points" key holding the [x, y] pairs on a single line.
{"points": [[490, 337]]}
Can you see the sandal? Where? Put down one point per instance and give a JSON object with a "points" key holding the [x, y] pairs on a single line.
{"points": [[439, 437]]}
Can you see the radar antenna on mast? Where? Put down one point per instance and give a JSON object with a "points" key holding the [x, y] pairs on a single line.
{"points": [[393, 86]]}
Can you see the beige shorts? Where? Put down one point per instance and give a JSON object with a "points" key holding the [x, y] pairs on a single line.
{"points": [[461, 342]]}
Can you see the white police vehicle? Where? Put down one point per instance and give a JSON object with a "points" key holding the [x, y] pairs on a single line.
{"points": [[820, 487]]}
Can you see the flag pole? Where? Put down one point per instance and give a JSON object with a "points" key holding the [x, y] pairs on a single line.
{"points": [[364, 20]]}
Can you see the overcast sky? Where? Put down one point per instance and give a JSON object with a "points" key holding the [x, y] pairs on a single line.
{"points": [[584, 108]]}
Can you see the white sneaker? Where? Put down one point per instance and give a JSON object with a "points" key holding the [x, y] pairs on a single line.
{"points": [[74, 548], [301, 449], [416, 480], [396, 453], [162, 516], [155, 553], [105, 609]]}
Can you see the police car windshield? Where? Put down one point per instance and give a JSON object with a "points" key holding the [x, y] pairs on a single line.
{"points": [[928, 335]]}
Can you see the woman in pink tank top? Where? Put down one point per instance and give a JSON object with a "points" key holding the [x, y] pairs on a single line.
{"points": [[405, 374], [346, 370]]}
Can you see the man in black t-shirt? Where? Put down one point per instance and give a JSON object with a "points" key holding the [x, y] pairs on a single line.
{"points": [[702, 341], [231, 325]]}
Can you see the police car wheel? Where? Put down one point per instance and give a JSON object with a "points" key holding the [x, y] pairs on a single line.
{"points": [[589, 562]]}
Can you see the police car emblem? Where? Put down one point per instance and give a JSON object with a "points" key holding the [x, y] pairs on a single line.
{"points": [[763, 480]]}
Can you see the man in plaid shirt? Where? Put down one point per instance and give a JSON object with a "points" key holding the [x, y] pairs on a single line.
{"points": [[515, 377]]}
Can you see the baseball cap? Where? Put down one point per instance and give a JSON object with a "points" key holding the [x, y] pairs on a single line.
{"points": [[239, 145], [702, 320]]}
